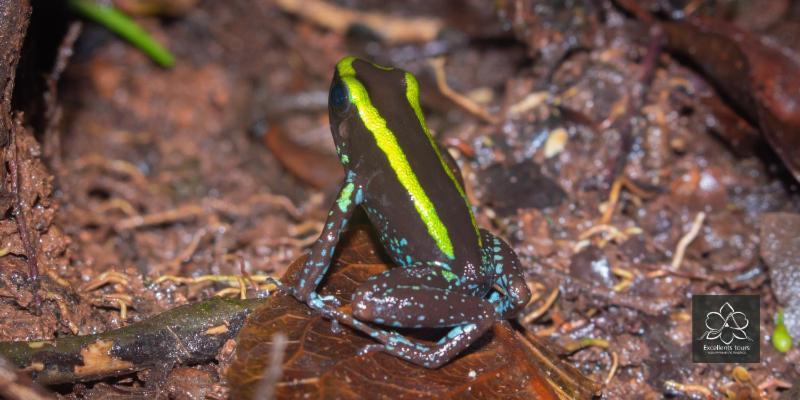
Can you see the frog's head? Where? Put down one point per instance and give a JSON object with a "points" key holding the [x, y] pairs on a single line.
{"points": [[366, 100]]}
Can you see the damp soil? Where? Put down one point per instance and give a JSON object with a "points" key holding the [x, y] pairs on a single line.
{"points": [[597, 165]]}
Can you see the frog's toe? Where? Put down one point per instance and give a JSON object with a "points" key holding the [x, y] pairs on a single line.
{"points": [[371, 348], [330, 300], [317, 302], [336, 328], [280, 285], [326, 305]]}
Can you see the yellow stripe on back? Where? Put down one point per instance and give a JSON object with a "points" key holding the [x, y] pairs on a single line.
{"points": [[387, 142], [412, 94]]}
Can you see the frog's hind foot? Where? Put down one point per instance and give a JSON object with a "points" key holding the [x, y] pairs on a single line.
{"points": [[326, 305], [507, 276], [434, 356]]}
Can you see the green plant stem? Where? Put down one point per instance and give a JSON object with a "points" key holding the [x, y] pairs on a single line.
{"points": [[119, 23]]}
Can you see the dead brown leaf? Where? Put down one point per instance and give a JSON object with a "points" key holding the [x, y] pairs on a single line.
{"points": [[321, 363]]}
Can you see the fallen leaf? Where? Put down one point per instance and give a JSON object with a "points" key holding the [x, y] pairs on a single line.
{"points": [[308, 165], [321, 363], [761, 78]]}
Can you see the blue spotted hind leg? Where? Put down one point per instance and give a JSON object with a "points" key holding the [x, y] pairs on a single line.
{"points": [[412, 297], [508, 277]]}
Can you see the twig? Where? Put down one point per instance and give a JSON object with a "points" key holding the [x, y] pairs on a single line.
{"points": [[535, 314], [596, 342], [686, 240], [627, 278], [52, 139], [174, 215], [266, 388], [570, 326], [614, 365], [613, 197], [633, 104], [17, 385], [233, 280], [690, 388], [57, 279], [772, 381], [306, 227], [258, 198], [172, 266], [586, 342], [338, 19], [185, 334], [64, 310], [123, 301], [103, 279], [117, 204], [19, 213], [243, 267], [230, 291], [460, 100], [613, 232], [119, 166], [289, 241], [562, 375], [530, 102], [189, 211], [238, 283]]}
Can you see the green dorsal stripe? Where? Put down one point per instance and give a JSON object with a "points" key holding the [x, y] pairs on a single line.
{"points": [[412, 94], [387, 142]]}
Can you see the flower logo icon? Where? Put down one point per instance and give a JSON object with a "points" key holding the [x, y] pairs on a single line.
{"points": [[726, 325]]}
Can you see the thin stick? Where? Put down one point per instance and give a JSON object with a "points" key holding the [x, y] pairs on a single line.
{"points": [[391, 29], [614, 366], [19, 214], [686, 240], [118, 352], [457, 98], [188, 211], [158, 218], [266, 388], [533, 316], [52, 139], [689, 388]]}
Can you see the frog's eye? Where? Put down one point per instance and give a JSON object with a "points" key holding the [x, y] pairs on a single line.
{"points": [[338, 98]]}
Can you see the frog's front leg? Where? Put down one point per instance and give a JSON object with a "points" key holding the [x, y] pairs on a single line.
{"points": [[319, 260], [418, 297], [508, 276]]}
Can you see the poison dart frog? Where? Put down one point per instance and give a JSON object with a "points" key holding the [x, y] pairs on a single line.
{"points": [[450, 274]]}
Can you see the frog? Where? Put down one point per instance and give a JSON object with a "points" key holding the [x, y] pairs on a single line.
{"points": [[449, 273]]}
